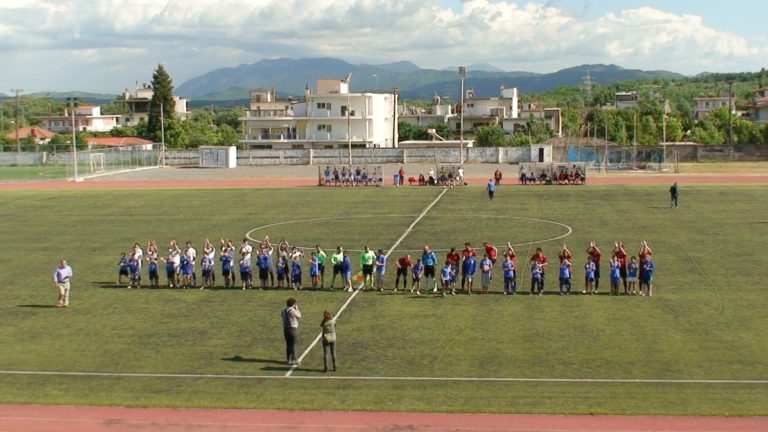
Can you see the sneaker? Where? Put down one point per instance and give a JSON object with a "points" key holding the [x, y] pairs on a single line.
{"points": [[453, 292], [395, 290], [418, 293]]}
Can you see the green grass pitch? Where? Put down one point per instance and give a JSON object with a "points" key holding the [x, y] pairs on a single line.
{"points": [[705, 322]]}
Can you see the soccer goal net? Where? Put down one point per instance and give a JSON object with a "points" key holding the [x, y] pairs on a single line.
{"points": [[96, 163]]}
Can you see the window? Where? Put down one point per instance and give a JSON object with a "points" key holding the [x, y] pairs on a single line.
{"points": [[324, 105], [324, 128]]}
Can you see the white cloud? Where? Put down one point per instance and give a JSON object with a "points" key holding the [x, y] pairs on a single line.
{"points": [[194, 36]]}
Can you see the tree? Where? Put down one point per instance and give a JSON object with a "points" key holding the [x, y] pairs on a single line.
{"points": [[162, 95], [674, 129], [489, 136]]}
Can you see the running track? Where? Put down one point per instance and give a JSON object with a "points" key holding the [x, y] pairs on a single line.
{"points": [[38, 418]]}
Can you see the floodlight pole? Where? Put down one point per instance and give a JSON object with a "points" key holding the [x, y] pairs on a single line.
{"points": [[73, 102], [462, 75], [349, 121], [18, 109], [162, 133]]}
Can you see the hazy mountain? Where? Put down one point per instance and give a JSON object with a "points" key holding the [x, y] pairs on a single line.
{"points": [[485, 67], [80, 95], [289, 77]]}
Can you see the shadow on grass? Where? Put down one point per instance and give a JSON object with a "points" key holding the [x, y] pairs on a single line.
{"points": [[239, 359], [39, 306]]}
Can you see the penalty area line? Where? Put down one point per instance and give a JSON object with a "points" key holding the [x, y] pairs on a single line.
{"points": [[397, 378], [354, 293]]}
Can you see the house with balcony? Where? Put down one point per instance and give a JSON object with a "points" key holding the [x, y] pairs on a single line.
{"points": [[706, 104], [87, 118], [439, 112], [758, 108], [626, 100], [330, 117], [136, 105], [505, 111]]}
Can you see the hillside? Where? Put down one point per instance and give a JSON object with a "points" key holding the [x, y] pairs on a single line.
{"points": [[290, 76]]}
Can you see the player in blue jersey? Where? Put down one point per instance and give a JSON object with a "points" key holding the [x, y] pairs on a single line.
{"points": [[281, 268], [170, 271], [122, 270], [615, 275], [207, 270], [134, 269], [429, 260], [246, 276], [314, 270], [508, 267], [537, 278], [469, 268], [646, 276], [154, 275], [486, 266], [446, 274], [379, 269], [418, 273], [226, 269], [296, 273], [589, 276], [186, 267], [345, 267], [633, 275], [565, 276], [264, 265]]}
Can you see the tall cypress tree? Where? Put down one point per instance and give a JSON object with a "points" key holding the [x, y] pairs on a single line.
{"points": [[162, 87]]}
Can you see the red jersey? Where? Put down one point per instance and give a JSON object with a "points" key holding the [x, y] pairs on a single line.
{"points": [[453, 258], [622, 257], [541, 257], [595, 255], [564, 256], [466, 253], [403, 262], [491, 252]]}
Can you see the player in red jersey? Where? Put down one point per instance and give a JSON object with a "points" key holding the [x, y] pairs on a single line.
{"points": [[594, 253], [620, 254]]}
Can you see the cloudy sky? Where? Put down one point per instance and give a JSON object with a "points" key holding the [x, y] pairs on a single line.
{"points": [[108, 45]]}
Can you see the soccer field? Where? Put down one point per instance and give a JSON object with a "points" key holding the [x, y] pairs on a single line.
{"points": [[697, 347]]}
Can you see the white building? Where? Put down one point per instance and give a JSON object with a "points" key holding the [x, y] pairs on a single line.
{"points": [[333, 117], [136, 105], [706, 104], [87, 119], [626, 100], [758, 109], [438, 113]]}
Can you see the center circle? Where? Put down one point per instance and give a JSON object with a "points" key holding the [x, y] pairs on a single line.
{"points": [[564, 230]]}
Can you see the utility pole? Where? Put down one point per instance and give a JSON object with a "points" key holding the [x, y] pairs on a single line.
{"points": [[730, 111], [18, 109], [349, 121], [73, 103], [462, 75], [162, 137], [394, 117]]}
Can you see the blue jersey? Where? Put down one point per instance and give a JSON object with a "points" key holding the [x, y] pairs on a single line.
{"points": [[486, 265], [295, 268], [632, 269], [565, 271], [245, 265], [445, 273], [417, 269], [170, 267], [186, 266], [263, 262], [470, 265], [491, 186], [615, 273], [152, 267], [381, 264], [648, 267], [429, 258], [123, 264], [509, 268], [206, 264], [133, 266], [281, 266], [536, 270], [314, 267], [345, 265], [226, 262], [589, 270]]}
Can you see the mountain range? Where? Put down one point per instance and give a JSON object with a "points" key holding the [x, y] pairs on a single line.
{"points": [[290, 76]]}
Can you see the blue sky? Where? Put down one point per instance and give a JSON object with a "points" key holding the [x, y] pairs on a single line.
{"points": [[109, 45]]}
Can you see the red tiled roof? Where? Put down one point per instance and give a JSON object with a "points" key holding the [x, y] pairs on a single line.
{"points": [[118, 141], [36, 132]]}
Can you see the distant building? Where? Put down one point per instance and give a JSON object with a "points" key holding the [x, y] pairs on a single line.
{"points": [[136, 105], [706, 104], [40, 135], [322, 119], [626, 100], [87, 119], [758, 108], [124, 143], [438, 113], [534, 112]]}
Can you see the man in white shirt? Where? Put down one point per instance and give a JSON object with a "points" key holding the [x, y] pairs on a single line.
{"points": [[191, 254], [61, 277]]}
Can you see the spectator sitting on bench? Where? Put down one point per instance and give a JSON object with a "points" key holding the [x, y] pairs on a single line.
{"points": [[422, 180]]}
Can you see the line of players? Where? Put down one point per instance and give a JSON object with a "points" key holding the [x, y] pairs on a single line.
{"points": [[636, 276]]}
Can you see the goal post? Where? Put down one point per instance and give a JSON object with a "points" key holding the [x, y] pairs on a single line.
{"points": [[96, 164]]}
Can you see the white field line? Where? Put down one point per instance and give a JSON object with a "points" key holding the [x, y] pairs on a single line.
{"points": [[398, 378], [107, 173], [354, 293]]}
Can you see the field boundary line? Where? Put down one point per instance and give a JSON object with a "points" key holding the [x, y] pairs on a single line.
{"points": [[397, 378], [355, 292]]}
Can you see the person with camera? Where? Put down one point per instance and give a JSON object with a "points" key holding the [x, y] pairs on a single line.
{"points": [[291, 316]]}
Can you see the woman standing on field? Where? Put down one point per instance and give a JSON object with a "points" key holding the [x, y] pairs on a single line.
{"points": [[329, 340]]}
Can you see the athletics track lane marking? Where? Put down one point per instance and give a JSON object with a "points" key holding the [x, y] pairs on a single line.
{"points": [[354, 293]]}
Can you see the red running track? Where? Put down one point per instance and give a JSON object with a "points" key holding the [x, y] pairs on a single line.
{"points": [[37, 418]]}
